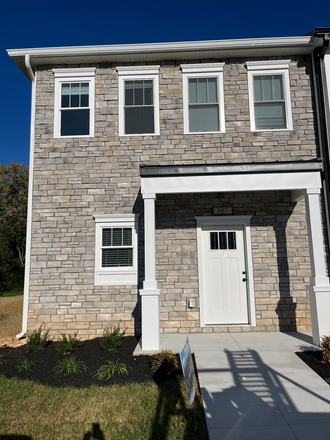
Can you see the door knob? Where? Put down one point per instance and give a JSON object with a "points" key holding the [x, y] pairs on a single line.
{"points": [[244, 279]]}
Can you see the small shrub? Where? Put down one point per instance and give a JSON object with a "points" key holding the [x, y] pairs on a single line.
{"points": [[69, 365], [3, 359], [325, 345], [112, 338], [66, 345], [164, 362], [25, 365], [36, 341], [110, 369]]}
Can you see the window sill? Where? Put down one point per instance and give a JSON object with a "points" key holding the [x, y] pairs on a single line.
{"points": [[139, 134], [204, 132], [271, 130], [74, 136], [115, 277]]}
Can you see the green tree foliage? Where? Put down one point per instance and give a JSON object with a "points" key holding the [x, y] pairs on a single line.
{"points": [[13, 211]]}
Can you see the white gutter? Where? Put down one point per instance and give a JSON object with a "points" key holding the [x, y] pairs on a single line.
{"points": [[29, 210], [165, 47]]}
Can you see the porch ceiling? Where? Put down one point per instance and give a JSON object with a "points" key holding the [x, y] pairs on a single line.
{"points": [[295, 175]]}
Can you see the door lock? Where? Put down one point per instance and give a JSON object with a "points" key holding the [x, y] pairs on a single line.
{"points": [[244, 273]]}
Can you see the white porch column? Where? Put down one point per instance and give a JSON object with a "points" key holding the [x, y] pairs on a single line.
{"points": [[150, 293], [319, 289]]}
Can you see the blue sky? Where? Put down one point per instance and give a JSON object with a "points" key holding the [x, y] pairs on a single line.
{"points": [[74, 23]]}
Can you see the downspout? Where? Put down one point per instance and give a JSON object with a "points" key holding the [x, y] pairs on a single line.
{"points": [[29, 208]]}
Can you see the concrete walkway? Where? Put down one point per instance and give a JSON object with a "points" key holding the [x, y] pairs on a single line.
{"points": [[255, 388]]}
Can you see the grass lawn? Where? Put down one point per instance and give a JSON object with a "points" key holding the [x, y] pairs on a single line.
{"points": [[115, 412]]}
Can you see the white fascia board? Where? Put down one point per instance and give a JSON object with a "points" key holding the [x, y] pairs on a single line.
{"points": [[231, 183]]}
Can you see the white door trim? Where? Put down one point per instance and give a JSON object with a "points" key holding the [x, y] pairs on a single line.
{"points": [[227, 220]]}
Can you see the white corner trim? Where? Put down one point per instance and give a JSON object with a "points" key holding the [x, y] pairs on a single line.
{"points": [[202, 67], [138, 70], [242, 220], [265, 65], [27, 268]]}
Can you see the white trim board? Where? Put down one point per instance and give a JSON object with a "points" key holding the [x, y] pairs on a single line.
{"points": [[230, 182]]}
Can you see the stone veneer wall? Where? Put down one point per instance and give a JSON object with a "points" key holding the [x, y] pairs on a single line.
{"points": [[76, 178], [280, 259]]}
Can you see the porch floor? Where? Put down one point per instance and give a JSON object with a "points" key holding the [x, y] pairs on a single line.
{"points": [[255, 387]]}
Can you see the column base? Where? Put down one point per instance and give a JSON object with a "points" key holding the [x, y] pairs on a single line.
{"points": [[150, 319], [319, 298]]}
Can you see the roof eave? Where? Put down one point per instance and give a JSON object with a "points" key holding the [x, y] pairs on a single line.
{"points": [[157, 51]]}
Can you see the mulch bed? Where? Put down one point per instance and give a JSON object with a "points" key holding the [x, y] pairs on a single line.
{"points": [[314, 360], [91, 353]]}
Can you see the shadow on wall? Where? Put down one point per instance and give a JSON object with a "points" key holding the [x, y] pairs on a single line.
{"points": [[270, 211]]}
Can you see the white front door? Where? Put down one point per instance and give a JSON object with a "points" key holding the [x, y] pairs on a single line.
{"points": [[224, 275]]}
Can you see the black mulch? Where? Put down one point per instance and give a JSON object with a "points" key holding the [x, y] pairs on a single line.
{"points": [[314, 360], [91, 353]]}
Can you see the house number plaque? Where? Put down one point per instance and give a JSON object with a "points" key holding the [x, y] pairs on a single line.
{"points": [[222, 210]]}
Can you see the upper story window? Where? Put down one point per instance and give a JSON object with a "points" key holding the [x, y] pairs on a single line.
{"points": [[138, 100], [74, 102], [269, 95], [203, 99]]}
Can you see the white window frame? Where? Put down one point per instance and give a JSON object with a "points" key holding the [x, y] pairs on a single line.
{"points": [[207, 70], [134, 73], [263, 68], [115, 276], [74, 75]]}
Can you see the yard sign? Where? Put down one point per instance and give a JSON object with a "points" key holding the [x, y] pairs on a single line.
{"points": [[188, 372]]}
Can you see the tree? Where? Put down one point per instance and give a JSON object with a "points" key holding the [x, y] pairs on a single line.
{"points": [[14, 180]]}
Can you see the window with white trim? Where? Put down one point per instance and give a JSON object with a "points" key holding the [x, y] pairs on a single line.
{"points": [[138, 100], [74, 102], [203, 98], [116, 249], [269, 95]]}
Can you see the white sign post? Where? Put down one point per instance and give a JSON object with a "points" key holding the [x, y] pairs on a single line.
{"points": [[189, 374]]}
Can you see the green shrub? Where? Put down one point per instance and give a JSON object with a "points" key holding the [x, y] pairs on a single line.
{"points": [[66, 345], [325, 345], [112, 338], [3, 359], [25, 365], [164, 362], [36, 341], [69, 365], [110, 369]]}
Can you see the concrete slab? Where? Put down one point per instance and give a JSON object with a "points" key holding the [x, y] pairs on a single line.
{"points": [[255, 387]]}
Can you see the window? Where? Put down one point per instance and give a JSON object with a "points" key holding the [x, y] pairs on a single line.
{"points": [[269, 95], [203, 101], [74, 102], [138, 100], [222, 240], [116, 249]]}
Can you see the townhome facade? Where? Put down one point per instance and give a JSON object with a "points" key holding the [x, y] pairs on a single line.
{"points": [[176, 187]]}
